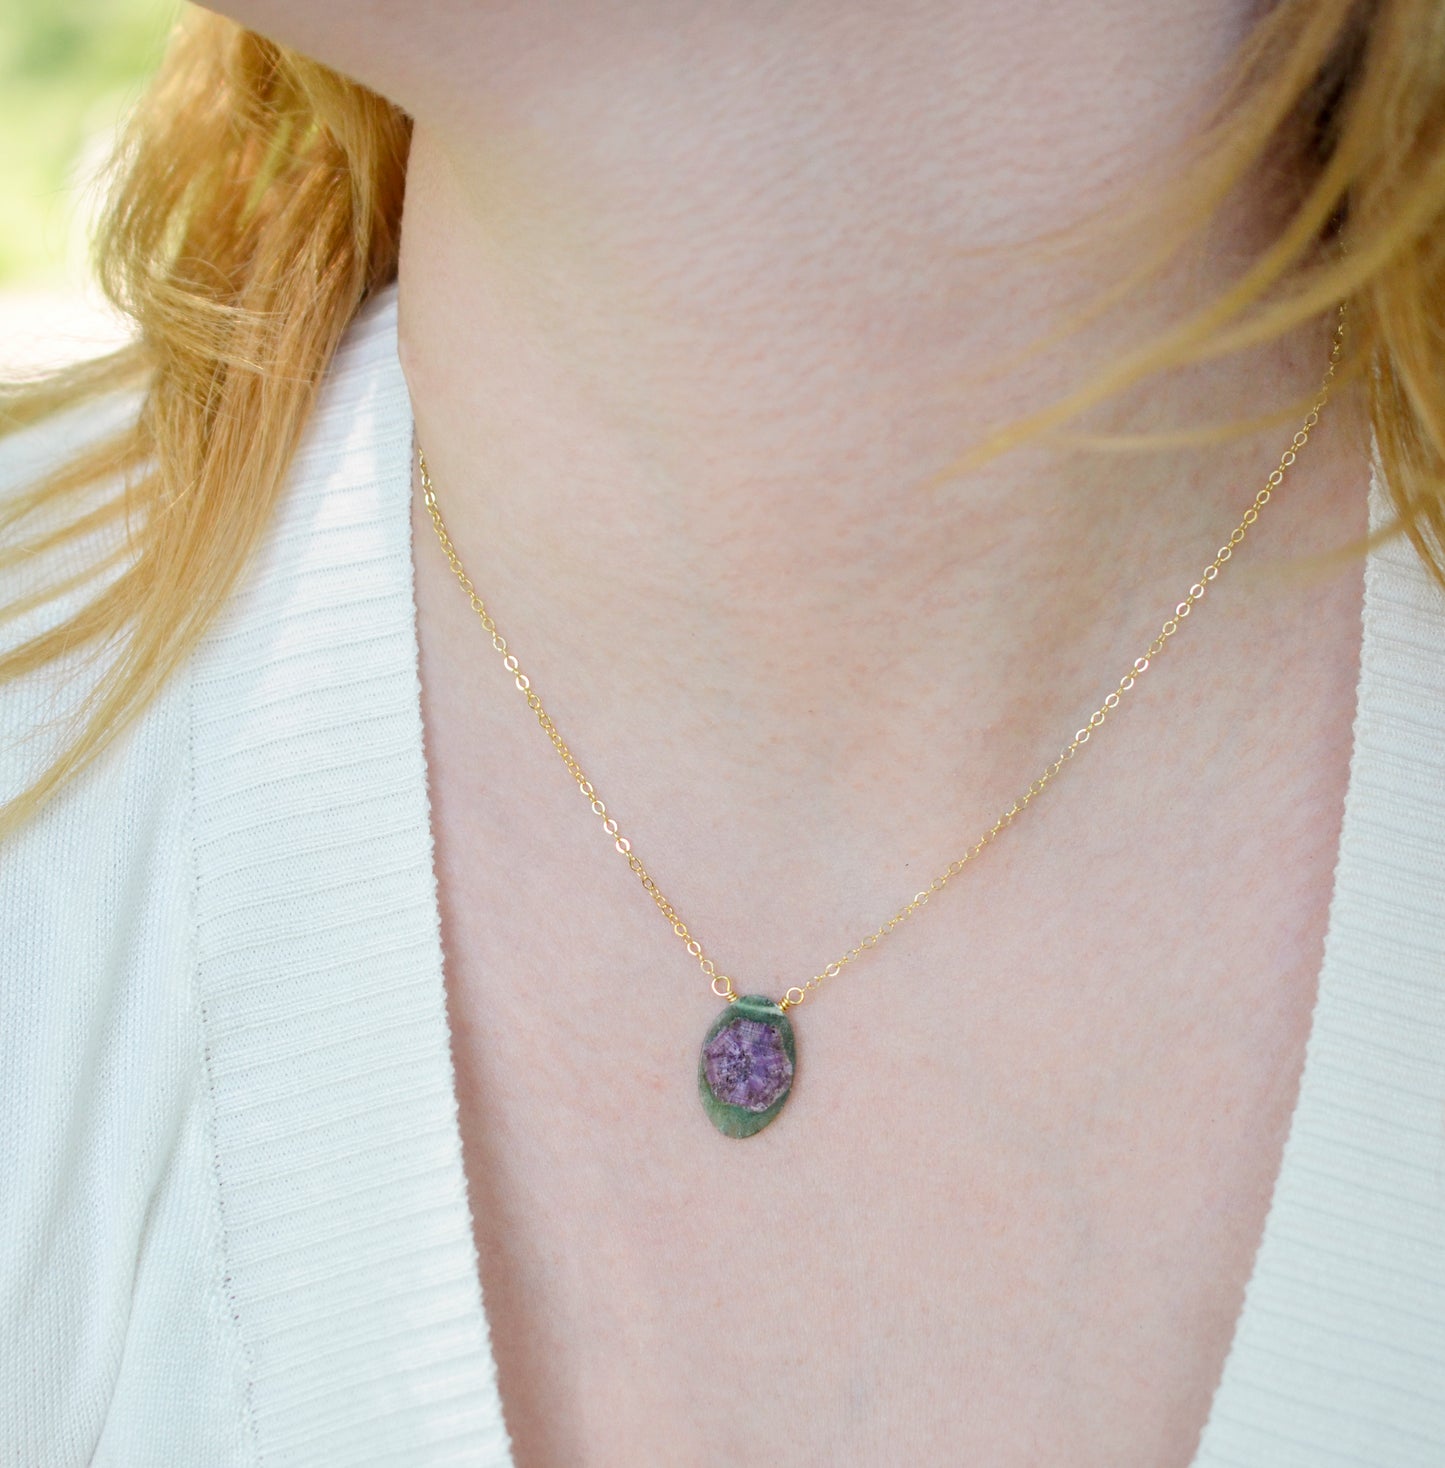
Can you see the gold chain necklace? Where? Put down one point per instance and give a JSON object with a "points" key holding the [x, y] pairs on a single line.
{"points": [[749, 1056]]}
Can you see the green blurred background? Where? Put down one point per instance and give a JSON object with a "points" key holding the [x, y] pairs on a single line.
{"points": [[69, 70]]}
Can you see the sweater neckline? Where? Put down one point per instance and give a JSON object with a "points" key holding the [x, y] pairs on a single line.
{"points": [[351, 1265]]}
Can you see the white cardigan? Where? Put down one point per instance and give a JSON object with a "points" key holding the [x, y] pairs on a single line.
{"points": [[234, 1226]]}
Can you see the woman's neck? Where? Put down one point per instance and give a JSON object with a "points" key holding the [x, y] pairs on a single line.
{"points": [[688, 302]]}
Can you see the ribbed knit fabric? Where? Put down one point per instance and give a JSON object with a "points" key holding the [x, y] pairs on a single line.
{"points": [[1339, 1354], [233, 1224]]}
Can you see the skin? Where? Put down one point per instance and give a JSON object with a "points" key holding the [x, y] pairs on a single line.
{"points": [[693, 298]]}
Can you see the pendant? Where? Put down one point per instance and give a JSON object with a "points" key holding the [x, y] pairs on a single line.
{"points": [[745, 1071]]}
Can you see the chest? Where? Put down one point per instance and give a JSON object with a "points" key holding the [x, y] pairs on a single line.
{"points": [[1009, 1210], [1007, 1214]]}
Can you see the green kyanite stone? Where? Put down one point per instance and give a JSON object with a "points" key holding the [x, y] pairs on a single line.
{"points": [[746, 1067]]}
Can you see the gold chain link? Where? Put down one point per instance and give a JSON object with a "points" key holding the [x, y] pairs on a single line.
{"points": [[722, 985]]}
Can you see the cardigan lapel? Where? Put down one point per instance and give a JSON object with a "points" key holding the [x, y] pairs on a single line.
{"points": [[1338, 1355], [351, 1270]]}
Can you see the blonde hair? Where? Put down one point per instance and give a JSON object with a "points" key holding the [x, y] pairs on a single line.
{"points": [[257, 204]]}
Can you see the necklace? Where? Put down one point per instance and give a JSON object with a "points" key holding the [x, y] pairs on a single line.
{"points": [[749, 1055]]}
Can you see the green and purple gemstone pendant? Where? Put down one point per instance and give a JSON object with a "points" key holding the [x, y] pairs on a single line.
{"points": [[745, 1071]]}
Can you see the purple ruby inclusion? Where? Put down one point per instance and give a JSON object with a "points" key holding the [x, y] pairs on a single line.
{"points": [[747, 1065]]}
